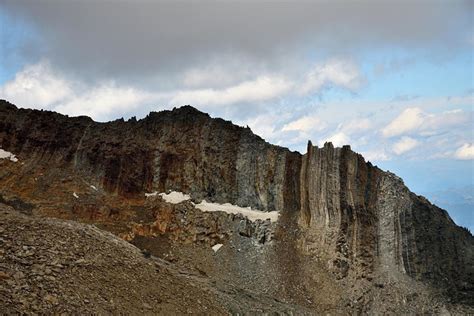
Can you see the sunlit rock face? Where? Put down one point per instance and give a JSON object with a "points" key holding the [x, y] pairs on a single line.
{"points": [[358, 220], [338, 195], [366, 220]]}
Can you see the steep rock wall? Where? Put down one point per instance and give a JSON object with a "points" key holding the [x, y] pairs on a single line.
{"points": [[365, 220], [338, 194], [183, 150], [360, 219]]}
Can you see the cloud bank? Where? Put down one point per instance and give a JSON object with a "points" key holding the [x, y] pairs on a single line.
{"points": [[41, 86], [125, 40]]}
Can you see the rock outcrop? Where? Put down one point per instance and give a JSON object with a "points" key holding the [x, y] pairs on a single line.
{"points": [[360, 222], [366, 220], [183, 150]]}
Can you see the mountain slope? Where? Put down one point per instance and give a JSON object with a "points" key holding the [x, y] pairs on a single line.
{"points": [[53, 266], [341, 218]]}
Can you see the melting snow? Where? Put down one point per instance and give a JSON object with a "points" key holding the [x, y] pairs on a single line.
{"points": [[75, 195], [216, 247], [253, 215], [7, 155], [174, 197], [228, 208]]}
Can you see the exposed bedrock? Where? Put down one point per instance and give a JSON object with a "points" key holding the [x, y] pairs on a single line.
{"points": [[359, 218], [183, 150], [365, 220], [338, 207]]}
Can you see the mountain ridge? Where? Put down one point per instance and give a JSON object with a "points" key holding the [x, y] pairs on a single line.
{"points": [[359, 222]]}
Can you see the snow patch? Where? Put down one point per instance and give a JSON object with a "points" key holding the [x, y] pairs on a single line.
{"points": [[228, 208], [151, 194], [253, 215], [7, 155], [75, 195], [172, 197], [216, 247], [175, 197], [94, 188]]}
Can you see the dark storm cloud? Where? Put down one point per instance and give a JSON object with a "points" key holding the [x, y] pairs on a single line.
{"points": [[138, 37]]}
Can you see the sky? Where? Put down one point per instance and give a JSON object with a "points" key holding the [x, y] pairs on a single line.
{"points": [[394, 79]]}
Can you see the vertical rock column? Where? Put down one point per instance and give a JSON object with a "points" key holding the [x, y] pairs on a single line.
{"points": [[338, 194], [393, 199], [320, 198]]}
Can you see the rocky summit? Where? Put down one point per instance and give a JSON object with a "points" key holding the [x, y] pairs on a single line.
{"points": [[183, 213]]}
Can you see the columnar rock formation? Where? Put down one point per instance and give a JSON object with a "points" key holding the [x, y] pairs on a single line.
{"points": [[360, 218], [367, 219]]}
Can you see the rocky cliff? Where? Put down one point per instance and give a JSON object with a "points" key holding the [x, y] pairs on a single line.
{"points": [[183, 150], [359, 222], [367, 220]]}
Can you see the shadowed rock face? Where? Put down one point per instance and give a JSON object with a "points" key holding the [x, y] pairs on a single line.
{"points": [[358, 218], [183, 150]]}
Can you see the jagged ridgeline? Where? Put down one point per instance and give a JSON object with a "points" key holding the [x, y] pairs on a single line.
{"points": [[361, 222]]}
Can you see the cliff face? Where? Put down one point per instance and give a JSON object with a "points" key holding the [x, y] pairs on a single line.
{"points": [[183, 150], [338, 207], [361, 220], [367, 221]]}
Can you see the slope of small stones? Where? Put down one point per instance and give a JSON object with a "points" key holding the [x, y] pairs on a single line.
{"points": [[50, 266]]}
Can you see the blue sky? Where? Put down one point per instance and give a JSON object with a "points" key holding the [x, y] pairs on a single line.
{"points": [[392, 79]]}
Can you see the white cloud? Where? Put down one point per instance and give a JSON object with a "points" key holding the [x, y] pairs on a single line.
{"points": [[220, 85], [103, 100], [308, 126], [261, 89], [409, 120], [405, 144], [36, 86], [415, 120], [39, 86], [375, 155], [446, 119], [357, 125], [338, 139], [465, 152], [338, 72], [305, 124], [265, 125]]}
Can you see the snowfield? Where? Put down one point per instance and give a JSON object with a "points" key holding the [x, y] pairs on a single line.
{"points": [[253, 215], [7, 155], [173, 197], [228, 208], [151, 194]]}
